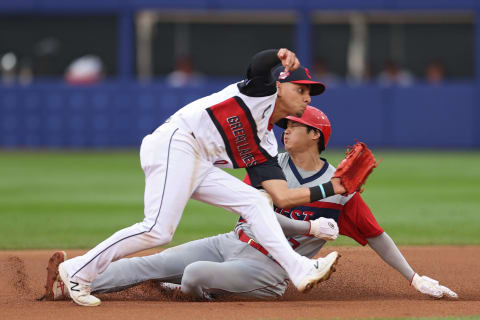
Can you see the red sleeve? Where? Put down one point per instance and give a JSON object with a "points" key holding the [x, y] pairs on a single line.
{"points": [[357, 221]]}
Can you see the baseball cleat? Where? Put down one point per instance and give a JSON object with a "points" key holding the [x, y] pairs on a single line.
{"points": [[80, 293], [170, 290], [59, 291], [320, 271], [174, 291], [53, 289]]}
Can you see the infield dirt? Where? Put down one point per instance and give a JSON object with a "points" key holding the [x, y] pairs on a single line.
{"points": [[363, 287]]}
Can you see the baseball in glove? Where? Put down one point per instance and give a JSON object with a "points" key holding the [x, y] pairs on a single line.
{"points": [[354, 170]]}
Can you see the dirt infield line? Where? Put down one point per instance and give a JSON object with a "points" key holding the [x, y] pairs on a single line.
{"points": [[363, 287]]}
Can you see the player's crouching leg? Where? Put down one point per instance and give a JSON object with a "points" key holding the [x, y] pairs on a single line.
{"points": [[197, 279]]}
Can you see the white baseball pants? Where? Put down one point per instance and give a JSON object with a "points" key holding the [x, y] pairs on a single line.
{"points": [[175, 171]]}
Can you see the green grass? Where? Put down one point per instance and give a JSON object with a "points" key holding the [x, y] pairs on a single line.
{"points": [[77, 199]]}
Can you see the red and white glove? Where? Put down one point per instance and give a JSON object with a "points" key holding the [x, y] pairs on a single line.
{"points": [[323, 228], [432, 287]]}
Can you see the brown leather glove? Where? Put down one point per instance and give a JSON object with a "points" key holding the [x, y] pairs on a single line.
{"points": [[354, 170]]}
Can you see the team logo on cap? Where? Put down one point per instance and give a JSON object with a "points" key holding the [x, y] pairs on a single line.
{"points": [[283, 75], [308, 73]]}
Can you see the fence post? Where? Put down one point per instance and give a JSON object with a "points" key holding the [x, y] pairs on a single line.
{"points": [[303, 37], [125, 44]]}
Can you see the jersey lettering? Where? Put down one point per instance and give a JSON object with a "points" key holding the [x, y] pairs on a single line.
{"points": [[312, 211], [241, 142], [296, 214], [238, 129]]}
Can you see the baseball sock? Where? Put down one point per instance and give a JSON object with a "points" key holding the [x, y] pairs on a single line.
{"points": [[384, 246]]}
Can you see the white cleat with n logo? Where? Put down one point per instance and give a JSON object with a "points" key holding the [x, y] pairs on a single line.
{"points": [[320, 271], [79, 293]]}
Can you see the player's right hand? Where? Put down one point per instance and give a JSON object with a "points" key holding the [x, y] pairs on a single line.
{"points": [[289, 59], [432, 287], [323, 228]]}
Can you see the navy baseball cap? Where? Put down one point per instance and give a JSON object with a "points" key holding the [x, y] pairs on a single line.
{"points": [[301, 76]]}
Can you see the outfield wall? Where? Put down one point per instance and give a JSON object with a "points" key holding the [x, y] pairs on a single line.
{"points": [[119, 114]]}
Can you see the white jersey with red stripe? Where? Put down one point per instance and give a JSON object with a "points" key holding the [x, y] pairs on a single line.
{"points": [[231, 128], [329, 208]]}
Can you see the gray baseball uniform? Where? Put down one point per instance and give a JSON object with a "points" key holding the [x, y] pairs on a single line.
{"points": [[225, 264]]}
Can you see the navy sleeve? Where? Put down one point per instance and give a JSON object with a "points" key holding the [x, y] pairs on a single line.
{"points": [[269, 170], [260, 82]]}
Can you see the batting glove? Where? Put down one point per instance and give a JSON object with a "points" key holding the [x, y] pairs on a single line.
{"points": [[432, 287], [323, 228]]}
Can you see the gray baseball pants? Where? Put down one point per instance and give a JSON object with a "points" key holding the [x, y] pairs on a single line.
{"points": [[211, 267]]}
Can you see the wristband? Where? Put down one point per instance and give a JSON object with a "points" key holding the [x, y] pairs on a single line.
{"points": [[321, 192], [328, 187]]}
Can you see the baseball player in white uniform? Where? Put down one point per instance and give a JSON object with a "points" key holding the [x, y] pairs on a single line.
{"points": [[181, 159], [236, 264]]}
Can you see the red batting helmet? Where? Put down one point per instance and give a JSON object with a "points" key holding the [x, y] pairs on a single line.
{"points": [[314, 118]]}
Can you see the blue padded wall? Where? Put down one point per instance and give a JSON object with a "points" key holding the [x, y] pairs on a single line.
{"points": [[120, 114]]}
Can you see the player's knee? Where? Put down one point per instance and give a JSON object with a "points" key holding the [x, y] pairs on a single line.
{"points": [[195, 279], [160, 238], [258, 205], [258, 199], [193, 274], [157, 234], [157, 238]]}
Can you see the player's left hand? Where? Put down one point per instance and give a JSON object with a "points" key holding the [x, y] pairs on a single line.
{"points": [[338, 187], [289, 59], [432, 287], [324, 228], [354, 170]]}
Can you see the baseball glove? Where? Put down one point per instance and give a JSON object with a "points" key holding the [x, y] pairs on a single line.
{"points": [[354, 170]]}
